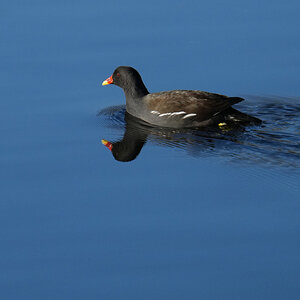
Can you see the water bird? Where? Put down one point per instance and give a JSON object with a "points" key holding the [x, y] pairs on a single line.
{"points": [[177, 108]]}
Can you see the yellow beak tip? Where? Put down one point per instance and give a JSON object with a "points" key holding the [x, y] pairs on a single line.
{"points": [[104, 142]]}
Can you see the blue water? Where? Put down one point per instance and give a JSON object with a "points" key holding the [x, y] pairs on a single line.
{"points": [[210, 214]]}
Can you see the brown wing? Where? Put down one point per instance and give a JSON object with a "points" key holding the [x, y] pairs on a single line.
{"points": [[204, 104]]}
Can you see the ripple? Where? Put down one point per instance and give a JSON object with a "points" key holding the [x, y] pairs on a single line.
{"points": [[276, 142], [113, 116]]}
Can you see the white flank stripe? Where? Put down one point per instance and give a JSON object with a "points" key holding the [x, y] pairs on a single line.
{"points": [[168, 114], [189, 115], [165, 114], [178, 113]]}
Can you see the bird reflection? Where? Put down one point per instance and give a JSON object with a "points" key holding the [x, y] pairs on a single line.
{"points": [[138, 132], [134, 138], [274, 142]]}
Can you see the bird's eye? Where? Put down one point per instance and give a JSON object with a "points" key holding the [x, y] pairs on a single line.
{"points": [[118, 74]]}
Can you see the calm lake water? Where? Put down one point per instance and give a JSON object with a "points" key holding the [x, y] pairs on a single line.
{"points": [[194, 214]]}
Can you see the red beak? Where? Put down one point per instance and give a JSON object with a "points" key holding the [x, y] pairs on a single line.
{"points": [[109, 80], [107, 144]]}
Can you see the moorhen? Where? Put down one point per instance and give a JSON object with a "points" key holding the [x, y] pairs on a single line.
{"points": [[178, 108]]}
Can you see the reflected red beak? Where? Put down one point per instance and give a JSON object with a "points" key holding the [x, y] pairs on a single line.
{"points": [[107, 144], [109, 80]]}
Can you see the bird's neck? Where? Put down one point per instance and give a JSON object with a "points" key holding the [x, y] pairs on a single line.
{"points": [[135, 91]]}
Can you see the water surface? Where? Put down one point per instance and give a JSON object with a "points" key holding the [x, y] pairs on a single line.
{"points": [[210, 214]]}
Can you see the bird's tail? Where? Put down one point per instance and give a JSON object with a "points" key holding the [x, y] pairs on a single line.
{"points": [[232, 115]]}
